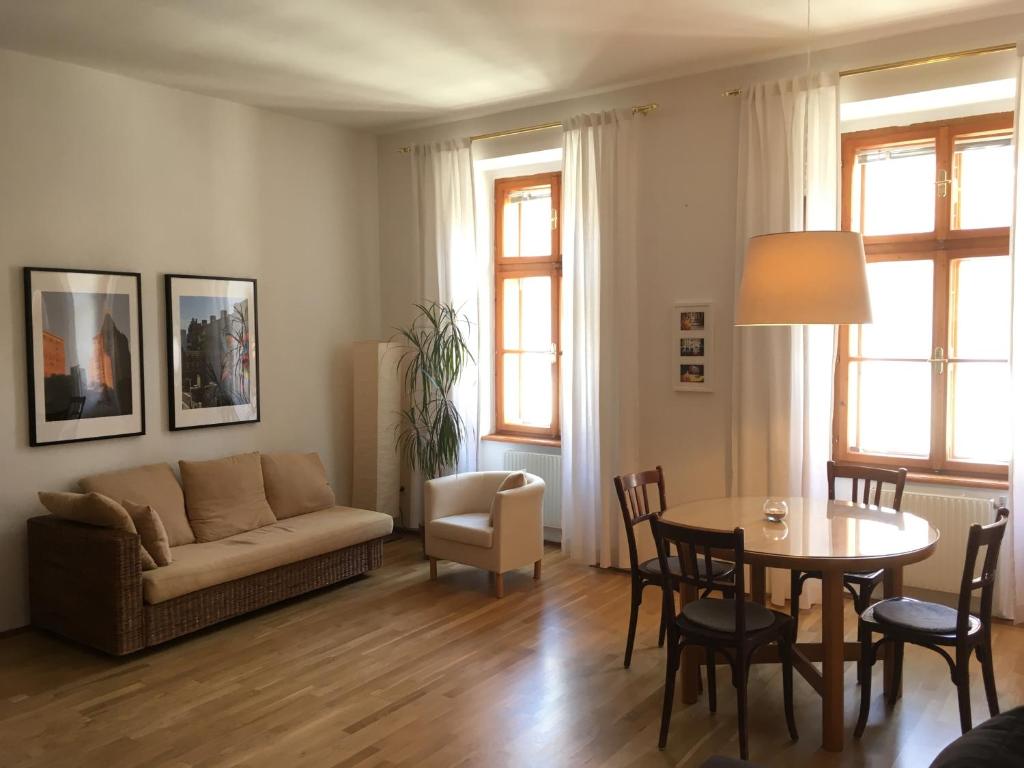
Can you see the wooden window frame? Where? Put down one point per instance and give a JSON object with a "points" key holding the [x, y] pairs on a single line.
{"points": [[527, 266], [941, 246]]}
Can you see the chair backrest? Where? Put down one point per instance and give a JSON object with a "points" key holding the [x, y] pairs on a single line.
{"points": [[691, 546], [990, 537], [635, 503], [868, 475]]}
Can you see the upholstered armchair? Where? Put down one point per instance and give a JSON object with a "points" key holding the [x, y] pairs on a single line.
{"points": [[490, 520]]}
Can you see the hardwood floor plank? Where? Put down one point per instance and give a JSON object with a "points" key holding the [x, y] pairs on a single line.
{"points": [[394, 670]]}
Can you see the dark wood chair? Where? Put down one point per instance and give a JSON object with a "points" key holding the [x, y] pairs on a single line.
{"points": [[902, 620], [733, 627], [635, 503], [859, 585]]}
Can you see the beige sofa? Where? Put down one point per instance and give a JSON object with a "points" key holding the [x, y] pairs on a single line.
{"points": [[472, 518], [244, 532]]}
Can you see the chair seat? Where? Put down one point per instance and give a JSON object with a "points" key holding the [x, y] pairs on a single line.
{"points": [[472, 528], [907, 613], [653, 568], [720, 615]]}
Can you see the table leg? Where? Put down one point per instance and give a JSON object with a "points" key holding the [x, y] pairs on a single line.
{"points": [[893, 587], [690, 662], [758, 582], [832, 660]]}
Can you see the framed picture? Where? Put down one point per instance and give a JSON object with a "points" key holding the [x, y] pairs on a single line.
{"points": [[212, 342], [83, 333], [693, 347]]}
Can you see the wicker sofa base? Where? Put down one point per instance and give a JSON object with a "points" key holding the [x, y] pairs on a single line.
{"points": [[85, 584], [188, 613]]}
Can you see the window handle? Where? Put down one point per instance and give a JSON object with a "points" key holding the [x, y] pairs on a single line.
{"points": [[943, 183], [939, 357]]}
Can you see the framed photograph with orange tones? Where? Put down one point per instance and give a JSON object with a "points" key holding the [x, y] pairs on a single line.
{"points": [[83, 331]]}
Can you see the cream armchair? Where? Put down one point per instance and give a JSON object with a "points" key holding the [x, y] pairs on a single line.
{"points": [[466, 519]]}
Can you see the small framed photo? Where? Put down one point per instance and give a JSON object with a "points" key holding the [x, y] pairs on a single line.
{"points": [[693, 346], [83, 332], [212, 351]]}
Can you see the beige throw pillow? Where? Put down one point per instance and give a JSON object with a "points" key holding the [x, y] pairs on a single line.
{"points": [[514, 480], [225, 496], [154, 485], [93, 509], [151, 531], [296, 483]]}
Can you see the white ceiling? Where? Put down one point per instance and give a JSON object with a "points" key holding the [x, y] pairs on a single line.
{"points": [[382, 63]]}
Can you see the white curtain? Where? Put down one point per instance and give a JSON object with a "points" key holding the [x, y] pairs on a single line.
{"points": [[600, 373], [1012, 602], [782, 380], [449, 267]]}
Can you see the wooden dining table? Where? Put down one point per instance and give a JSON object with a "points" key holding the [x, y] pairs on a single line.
{"points": [[832, 537]]}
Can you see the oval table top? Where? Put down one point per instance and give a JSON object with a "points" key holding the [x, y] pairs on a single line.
{"points": [[817, 534]]}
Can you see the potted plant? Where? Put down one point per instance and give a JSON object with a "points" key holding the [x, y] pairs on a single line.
{"points": [[431, 430]]}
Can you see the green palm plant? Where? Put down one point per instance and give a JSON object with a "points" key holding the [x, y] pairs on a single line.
{"points": [[431, 430]]}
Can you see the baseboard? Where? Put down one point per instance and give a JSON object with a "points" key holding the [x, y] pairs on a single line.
{"points": [[15, 631]]}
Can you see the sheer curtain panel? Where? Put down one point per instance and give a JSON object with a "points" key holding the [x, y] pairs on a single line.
{"points": [[449, 268], [1013, 598], [782, 382], [600, 384]]}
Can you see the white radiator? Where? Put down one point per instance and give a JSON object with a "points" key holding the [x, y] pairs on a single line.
{"points": [[953, 516], [548, 467]]}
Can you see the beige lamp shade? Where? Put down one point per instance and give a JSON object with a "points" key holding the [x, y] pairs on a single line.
{"points": [[804, 278]]}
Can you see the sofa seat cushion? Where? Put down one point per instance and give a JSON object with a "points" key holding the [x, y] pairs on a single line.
{"points": [[473, 528], [207, 564], [153, 485]]}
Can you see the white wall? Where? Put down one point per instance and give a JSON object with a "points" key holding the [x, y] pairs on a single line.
{"points": [[100, 171], [687, 244]]}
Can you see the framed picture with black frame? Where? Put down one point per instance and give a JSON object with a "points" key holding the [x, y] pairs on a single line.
{"points": [[83, 334], [212, 351]]}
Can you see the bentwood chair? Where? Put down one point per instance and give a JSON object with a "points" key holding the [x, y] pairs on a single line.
{"points": [[732, 627], [859, 585], [902, 620], [636, 505]]}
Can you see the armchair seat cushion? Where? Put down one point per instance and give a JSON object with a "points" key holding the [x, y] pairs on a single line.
{"points": [[472, 528]]}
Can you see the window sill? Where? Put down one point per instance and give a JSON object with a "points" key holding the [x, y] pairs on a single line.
{"points": [[550, 442], [961, 481]]}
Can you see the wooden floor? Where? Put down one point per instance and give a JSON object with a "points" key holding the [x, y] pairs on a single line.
{"points": [[394, 670]]}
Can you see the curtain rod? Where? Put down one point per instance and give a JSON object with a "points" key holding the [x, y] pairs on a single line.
{"points": [[642, 109], [912, 62]]}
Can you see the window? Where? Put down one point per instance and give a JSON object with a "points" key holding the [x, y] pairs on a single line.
{"points": [[528, 276], [926, 385]]}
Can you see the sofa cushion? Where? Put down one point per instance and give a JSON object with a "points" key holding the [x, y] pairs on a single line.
{"points": [[296, 483], [151, 531], [94, 509], [473, 528], [154, 485], [996, 743], [225, 496], [201, 565]]}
